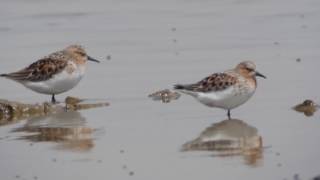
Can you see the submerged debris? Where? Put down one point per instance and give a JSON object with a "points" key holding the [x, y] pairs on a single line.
{"points": [[308, 107], [164, 95]]}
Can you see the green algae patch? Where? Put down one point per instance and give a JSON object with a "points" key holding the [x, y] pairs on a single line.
{"points": [[11, 111]]}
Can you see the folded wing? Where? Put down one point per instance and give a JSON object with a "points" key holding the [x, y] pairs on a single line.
{"points": [[214, 82]]}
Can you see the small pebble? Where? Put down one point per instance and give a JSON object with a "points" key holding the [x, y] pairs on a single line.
{"points": [[276, 43], [173, 29], [131, 173], [278, 154], [109, 57], [124, 167], [298, 60], [121, 151]]}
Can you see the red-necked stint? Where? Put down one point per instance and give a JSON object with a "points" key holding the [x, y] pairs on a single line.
{"points": [[226, 90], [54, 74]]}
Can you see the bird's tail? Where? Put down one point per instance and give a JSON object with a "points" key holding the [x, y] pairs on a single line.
{"points": [[179, 86], [186, 89]]}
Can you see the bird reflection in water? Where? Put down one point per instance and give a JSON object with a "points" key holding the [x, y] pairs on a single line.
{"points": [[67, 129], [230, 138]]}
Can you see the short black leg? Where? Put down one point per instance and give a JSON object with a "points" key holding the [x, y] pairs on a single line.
{"points": [[53, 99], [229, 114]]}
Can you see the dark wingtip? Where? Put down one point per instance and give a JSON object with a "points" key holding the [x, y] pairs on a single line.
{"points": [[178, 86], [3, 75]]}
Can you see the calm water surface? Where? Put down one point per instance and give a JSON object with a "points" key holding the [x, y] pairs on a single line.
{"points": [[154, 44]]}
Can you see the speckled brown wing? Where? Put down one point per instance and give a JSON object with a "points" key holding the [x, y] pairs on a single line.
{"points": [[214, 82], [40, 70]]}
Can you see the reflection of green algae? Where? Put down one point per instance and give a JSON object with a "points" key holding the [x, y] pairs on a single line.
{"points": [[11, 111], [308, 107], [73, 103]]}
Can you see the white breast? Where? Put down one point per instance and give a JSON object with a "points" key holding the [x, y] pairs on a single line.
{"points": [[59, 83], [229, 98]]}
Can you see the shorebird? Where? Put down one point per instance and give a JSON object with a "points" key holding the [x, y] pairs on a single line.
{"points": [[54, 74], [226, 90]]}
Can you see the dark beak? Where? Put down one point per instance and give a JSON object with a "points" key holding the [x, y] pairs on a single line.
{"points": [[92, 59], [261, 75]]}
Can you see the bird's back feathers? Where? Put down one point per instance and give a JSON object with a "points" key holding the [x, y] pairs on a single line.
{"points": [[214, 82]]}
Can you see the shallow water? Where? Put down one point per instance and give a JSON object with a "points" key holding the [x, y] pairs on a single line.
{"points": [[153, 45]]}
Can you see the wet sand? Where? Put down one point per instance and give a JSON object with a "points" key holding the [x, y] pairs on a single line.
{"points": [[153, 45]]}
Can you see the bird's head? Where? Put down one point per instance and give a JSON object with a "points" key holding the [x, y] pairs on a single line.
{"points": [[79, 53], [248, 68]]}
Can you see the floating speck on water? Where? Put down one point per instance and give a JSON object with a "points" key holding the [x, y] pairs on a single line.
{"points": [[174, 40], [279, 165], [99, 161], [277, 154], [4, 29], [173, 29], [124, 167], [54, 160], [304, 26], [52, 24], [17, 176], [121, 151], [298, 60], [276, 43], [296, 177], [35, 177], [108, 57], [31, 144], [131, 173]]}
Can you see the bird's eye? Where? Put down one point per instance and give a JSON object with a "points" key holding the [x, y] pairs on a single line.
{"points": [[81, 53], [249, 69]]}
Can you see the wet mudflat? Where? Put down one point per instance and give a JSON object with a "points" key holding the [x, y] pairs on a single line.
{"points": [[147, 46]]}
